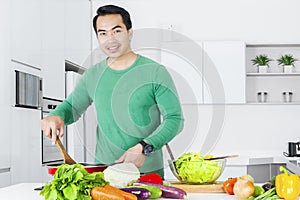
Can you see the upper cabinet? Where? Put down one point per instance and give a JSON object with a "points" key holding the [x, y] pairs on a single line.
{"points": [[224, 72], [183, 60], [276, 84], [52, 51], [78, 32]]}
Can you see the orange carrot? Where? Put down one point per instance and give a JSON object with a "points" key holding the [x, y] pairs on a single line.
{"points": [[101, 193], [126, 195]]}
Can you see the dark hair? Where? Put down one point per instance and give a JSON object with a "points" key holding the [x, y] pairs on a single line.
{"points": [[112, 9]]}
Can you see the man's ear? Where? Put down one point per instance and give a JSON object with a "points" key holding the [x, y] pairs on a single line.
{"points": [[130, 32]]}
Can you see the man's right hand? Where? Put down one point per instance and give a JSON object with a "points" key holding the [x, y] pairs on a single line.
{"points": [[53, 126]]}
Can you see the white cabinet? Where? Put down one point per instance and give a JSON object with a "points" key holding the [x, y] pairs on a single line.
{"points": [[5, 10], [26, 161], [26, 33], [78, 32], [224, 72], [184, 62], [52, 47]]}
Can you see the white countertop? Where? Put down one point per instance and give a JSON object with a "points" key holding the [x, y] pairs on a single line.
{"points": [[26, 191]]}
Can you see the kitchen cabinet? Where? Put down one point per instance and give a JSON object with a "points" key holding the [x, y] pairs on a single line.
{"points": [[275, 82], [52, 47], [183, 60], [26, 32], [78, 32], [26, 160], [5, 91], [224, 72]]}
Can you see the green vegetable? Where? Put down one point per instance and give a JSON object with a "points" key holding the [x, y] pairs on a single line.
{"points": [[192, 168], [269, 195], [258, 190], [72, 182]]}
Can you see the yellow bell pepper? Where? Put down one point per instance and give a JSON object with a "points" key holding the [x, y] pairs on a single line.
{"points": [[287, 186]]}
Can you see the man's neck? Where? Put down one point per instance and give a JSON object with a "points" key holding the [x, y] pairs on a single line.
{"points": [[122, 62]]}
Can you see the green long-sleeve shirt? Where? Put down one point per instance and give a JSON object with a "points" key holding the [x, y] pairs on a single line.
{"points": [[137, 103]]}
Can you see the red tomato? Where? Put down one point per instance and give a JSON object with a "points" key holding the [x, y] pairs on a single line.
{"points": [[152, 178], [228, 185]]}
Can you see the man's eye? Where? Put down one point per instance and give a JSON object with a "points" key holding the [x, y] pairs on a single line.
{"points": [[118, 31], [101, 33]]}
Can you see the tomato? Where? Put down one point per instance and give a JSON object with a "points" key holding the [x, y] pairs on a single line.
{"points": [[228, 185]]}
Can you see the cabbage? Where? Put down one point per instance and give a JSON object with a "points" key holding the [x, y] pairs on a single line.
{"points": [[120, 175], [192, 168]]}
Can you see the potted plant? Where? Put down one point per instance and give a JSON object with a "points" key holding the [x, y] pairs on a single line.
{"points": [[262, 61], [287, 61]]}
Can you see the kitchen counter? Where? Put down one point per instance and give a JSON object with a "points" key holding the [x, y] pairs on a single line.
{"points": [[26, 191]]}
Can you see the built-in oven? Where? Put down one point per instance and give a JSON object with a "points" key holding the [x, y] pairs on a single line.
{"points": [[50, 152]]}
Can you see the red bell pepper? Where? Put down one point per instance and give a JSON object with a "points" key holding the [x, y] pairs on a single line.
{"points": [[152, 178]]}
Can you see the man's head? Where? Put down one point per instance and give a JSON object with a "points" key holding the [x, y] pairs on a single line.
{"points": [[113, 28], [112, 9]]}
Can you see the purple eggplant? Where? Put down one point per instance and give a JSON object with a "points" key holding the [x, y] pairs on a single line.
{"points": [[167, 191], [141, 193]]}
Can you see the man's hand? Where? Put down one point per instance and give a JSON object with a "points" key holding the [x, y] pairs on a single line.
{"points": [[51, 125], [133, 155]]}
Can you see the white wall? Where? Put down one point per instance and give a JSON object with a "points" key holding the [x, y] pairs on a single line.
{"points": [[253, 21]]}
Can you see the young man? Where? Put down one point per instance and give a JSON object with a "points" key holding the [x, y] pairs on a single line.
{"points": [[131, 94]]}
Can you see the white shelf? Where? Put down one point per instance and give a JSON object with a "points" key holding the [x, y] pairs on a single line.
{"points": [[272, 74], [273, 103]]}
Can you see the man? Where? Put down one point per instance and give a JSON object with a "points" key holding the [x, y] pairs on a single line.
{"points": [[130, 92]]}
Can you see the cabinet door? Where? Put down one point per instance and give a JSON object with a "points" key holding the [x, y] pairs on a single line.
{"points": [[78, 32], [5, 87], [224, 72], [26, 34], [52, 54], [26, 146], [184, 62]]}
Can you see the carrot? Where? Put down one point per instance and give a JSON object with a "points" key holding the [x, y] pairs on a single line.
{"points": [[126, 195], [101, 193]]}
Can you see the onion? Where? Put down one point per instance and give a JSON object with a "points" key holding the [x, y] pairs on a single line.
{"points": [[243, 188]]}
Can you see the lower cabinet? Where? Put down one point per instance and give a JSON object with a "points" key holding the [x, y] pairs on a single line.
{"points": [[4, 177], [26, 158], [264, 172]]}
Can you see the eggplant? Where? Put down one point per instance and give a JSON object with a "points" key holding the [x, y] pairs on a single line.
{"points": [[141, 193], [167, 191]]}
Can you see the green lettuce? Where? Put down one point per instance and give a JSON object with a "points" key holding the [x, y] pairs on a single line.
{"points": [[72, 182], [192, 168]]}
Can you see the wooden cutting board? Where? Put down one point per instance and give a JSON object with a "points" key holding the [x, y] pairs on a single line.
{"points": [[210, 188]]}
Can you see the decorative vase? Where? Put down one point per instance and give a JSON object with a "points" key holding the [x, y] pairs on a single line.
{"points": [[288, 69], [263, 69]]}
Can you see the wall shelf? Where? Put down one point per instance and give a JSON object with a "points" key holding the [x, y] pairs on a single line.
{"points": [[272, 74]]}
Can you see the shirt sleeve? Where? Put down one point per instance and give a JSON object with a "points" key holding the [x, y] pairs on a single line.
{"points": [[71, 109], [169, 105]]}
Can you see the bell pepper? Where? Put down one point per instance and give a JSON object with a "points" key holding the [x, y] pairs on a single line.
{"points": [[152, 178], [287, 186]]}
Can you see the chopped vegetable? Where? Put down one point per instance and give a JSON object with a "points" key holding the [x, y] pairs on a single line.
{"points": [[120, 175], [287, 186], [192, 168], [152, 178], [72, 182]]}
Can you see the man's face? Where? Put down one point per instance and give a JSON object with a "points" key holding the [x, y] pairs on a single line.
{"points": [[113, 37]]}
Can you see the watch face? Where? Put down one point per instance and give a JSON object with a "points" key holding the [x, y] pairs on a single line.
{"points": [[148, 150]]}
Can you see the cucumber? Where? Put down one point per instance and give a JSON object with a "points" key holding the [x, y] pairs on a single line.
{"points": [[155, 192], [167, 191], [141, 193]]}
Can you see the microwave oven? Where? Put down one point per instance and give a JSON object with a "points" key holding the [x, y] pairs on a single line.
{"points": [[28, 89]]}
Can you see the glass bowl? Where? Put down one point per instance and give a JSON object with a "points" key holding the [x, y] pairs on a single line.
{"points": [[198, 172]]}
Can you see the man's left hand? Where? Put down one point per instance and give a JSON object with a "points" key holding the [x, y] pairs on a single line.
{"points": [[133, 155]]}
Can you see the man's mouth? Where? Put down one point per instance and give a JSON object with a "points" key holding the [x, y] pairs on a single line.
{"points": [[113, 48]]}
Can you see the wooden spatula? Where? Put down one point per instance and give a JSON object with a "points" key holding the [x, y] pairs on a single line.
{"points": [[66, 156]]}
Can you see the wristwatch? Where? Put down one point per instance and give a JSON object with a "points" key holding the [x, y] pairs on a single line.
{"points": [[147, 148]]}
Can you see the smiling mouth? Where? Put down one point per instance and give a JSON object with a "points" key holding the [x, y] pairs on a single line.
{"points": [[113, 48]]}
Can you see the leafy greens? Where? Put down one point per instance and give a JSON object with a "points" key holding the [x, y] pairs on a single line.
{"points": [[72, 182], [192, 168]]}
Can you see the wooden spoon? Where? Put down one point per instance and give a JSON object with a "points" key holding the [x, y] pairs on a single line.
{"points": [[67, 158]]}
